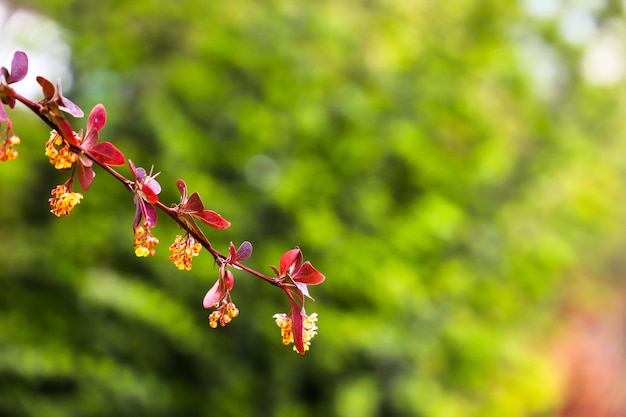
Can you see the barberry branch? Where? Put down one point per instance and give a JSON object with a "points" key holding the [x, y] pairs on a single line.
{"points": [[70, 151]]}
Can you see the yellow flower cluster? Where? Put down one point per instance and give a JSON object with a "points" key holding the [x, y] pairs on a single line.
{"points": [[182, 250], [58, 151], [63, 201], [223, 315], [7, 152], [144, 242], [309, 329]]}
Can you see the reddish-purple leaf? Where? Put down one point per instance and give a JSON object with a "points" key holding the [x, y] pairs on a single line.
{"points": [[244, 251], [229, 280], [65, 129], [214, 295], [139, 173], [194, 203], [133, 170], [138, 212], [212, 219], [97, 118], [232, 253], [150, 194], [302, 291], [153, 184], [70, 108], [307, 274], [151, 215], [189, 221], [3, 114], [89, 140], [182, 188], [299, 294], [150, 188], [297, 324], [47, 87], [85, 176], [84, 159], [4, 76], [19, 67], [66, 104], [289, 258], [107, 153], [10, 101]]}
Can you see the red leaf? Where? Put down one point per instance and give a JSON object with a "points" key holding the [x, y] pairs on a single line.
{"points": [[133, 169], [97, 118], [214, 295], [153, 184], [149, 194], [85, 176], [47, 87], [107, 153], [89, 140], [19, 67], [182, 188], [297, 326], [194, 203], [65, 129], [229, 280], [212, 219], [232, 252], [289, 258], [307, 274]]}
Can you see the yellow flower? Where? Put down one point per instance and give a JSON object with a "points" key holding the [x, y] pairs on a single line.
{"points": [[224, 314], [7, 152], [58, 151], [182, 250], [144, 242], [63, 201]]}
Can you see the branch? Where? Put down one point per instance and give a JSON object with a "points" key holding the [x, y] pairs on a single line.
{"points": [[67, 150]]}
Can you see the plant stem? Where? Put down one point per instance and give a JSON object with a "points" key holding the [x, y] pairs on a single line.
{"points": [[219, 257]]}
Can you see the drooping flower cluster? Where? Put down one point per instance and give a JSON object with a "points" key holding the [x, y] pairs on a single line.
{"points": [[63, 200], [309, 329], [183, 250], [72, 151], [19, 69], [218, 296], [293, 276], [58, 151], [7, 150], [146, 189], [224, 314], [144, 242]]}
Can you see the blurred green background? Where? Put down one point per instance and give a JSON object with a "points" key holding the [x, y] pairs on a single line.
{"points": [[456, 169]]}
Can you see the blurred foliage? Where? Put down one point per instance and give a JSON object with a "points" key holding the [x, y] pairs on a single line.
{"points": [[451, 199]]}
